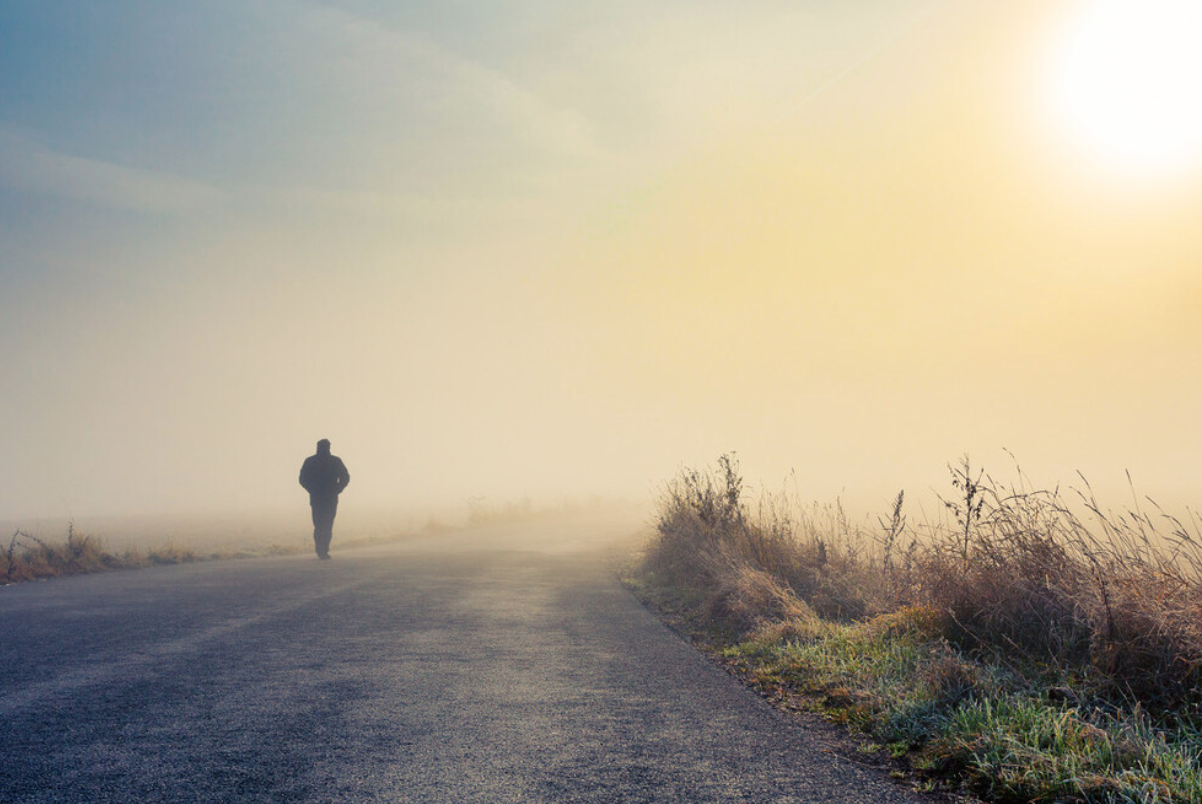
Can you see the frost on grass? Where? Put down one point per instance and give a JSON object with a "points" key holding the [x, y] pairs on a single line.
{"points": [[1031, 645]]}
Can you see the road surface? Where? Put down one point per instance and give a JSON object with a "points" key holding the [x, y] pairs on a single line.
{"points": [[502, 665]]}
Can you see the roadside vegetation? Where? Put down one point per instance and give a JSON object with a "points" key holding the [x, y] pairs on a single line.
{"points": [[1028, 646], [28, 557]]}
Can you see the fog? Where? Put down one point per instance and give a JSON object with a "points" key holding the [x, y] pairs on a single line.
{"points": [[554, 252]]}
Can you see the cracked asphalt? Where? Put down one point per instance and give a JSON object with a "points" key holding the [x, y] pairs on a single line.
{"points": [[495, 666]]}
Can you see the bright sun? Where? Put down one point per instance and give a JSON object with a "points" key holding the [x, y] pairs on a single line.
{"points": [[1127, 84]]}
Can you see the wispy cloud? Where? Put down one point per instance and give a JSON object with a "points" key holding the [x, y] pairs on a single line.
{"points": [[27, 165], [412, 75]]}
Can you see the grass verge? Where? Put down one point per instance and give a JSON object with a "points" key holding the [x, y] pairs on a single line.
{"points": [[1012, 653], [30, 558]]}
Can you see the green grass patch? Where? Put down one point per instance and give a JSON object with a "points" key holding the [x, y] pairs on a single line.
{"points": [[958, 723]]}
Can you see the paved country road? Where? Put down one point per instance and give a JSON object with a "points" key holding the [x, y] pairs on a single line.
{"points": [[505, 665]]}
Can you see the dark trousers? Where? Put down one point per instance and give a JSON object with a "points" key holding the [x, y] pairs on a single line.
{"points": [[324, 509]]}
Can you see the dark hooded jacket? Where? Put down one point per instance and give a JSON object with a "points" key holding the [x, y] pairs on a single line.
{"points": [[324, 476]]}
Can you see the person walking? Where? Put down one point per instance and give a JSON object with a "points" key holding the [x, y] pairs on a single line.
{"points": [[324, 476]]}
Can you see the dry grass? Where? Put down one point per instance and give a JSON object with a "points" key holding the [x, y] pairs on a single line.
{"points": [[708, 538], [1028, 646], [29, 557], [1016, 573], [1114, 595]]}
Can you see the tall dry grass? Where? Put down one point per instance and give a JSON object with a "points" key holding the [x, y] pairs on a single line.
{"points": [[1043, 580], [29, 557]]}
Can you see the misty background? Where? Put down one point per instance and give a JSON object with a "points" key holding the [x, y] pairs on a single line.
{"points": [[526, 249]]}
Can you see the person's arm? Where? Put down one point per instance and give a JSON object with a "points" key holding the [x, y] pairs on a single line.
{"points": [[344, 477]]}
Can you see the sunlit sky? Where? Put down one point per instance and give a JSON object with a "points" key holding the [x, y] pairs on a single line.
{"points": [[549, 249]]}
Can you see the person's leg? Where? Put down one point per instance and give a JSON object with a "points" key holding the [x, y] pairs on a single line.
{"points": [[323, 525], [317, 517], [322, 539]]}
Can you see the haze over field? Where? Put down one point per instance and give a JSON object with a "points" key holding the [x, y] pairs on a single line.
{"points": [[517, 248]]}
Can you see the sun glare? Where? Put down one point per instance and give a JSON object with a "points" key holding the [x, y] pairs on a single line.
{"points": [[1127, 84]]}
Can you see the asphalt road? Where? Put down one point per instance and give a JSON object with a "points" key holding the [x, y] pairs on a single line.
{"points": [[502, 666]]}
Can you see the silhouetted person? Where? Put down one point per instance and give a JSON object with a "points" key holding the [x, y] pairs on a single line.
{"points": [[324, 476]]}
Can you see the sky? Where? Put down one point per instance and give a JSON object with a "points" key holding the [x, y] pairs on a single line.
{"points": [[525, 248]]}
